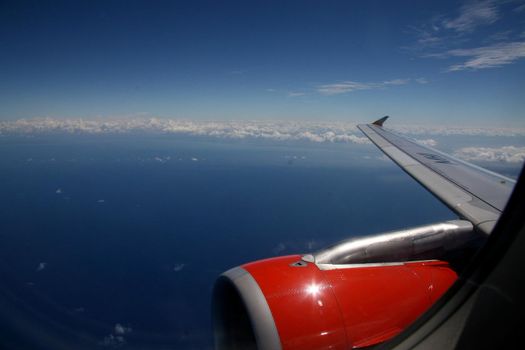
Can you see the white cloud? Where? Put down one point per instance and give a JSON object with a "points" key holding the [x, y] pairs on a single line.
{"points": [[447, 130], [421, 80], [178, 267], [349, 86], [427, 38], [58, 191], [41, 266], [496, 47], [121, 330], [162, 159], [332, 132], [507, 154], [296, 93], [116, 338], [427, 142], [472, 15], [343, 87], [266, 130], [491, 56], [396, 82], [113, 341]]}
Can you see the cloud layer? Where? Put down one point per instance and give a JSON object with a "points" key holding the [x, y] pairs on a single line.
{"points": [[507, 154], [346, 132], [449, 130], [317, 132], [270, 130]]}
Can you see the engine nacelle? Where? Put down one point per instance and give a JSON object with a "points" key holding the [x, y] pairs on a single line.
{"points": [[290, 303]]}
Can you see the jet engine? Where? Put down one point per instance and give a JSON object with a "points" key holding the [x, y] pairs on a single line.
{"points": [[351, 295]]}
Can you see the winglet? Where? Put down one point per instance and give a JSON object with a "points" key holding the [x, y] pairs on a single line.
{"points": [[380, 122]]}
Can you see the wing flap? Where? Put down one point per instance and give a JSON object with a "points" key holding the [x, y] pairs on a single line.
{"points": [[475, 194]]}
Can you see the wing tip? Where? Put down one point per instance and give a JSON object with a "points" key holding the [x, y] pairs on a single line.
{"points": [[381, 121]]}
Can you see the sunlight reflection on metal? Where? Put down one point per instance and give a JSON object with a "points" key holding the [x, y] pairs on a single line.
{"points": [[313, 289]]}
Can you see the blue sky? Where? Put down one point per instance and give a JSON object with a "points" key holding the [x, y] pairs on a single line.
{"points": [[313, 60]]}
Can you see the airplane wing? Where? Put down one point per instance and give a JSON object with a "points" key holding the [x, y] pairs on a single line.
{"points": [[475, 194]]}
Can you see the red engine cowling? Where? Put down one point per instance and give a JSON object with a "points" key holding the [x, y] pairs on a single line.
{"points": [[288, 303]]}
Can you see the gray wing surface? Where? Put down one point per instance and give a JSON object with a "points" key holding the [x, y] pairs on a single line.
{"points": [[475, 194]]}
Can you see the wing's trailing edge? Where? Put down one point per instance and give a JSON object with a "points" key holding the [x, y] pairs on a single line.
{"points": [[475, 194]]}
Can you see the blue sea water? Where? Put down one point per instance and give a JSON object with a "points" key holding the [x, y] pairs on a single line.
{"points": [[106, 231]]}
